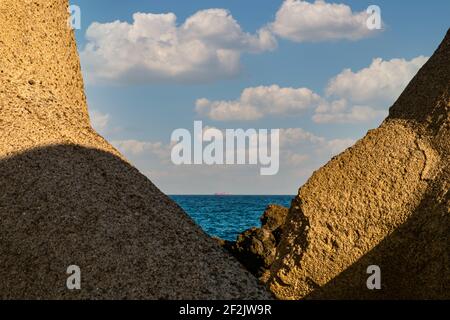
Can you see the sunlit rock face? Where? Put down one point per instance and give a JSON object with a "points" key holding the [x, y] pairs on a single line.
{"points": [[383, 202]]}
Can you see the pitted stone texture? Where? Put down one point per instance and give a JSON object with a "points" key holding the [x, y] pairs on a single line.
{"points": [[384, 202]]}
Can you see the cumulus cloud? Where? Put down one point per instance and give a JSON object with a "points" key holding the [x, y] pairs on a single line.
{"points": [[366, 94], [294, 136], [302, 21], [257, 102], [381, 82], [304, 152], [351, 97], [335, 146], [99, 120], [340, 112], [301, 153], [137, 148], [297, 160], [292, 140], [207, 46]]}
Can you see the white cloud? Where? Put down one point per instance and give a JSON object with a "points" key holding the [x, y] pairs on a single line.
{"points": [[294, 136], [207, 46], [380, 83], [366, 95], [137, 148], [340, 112], [351, 97], [99, 120], [302, 21], [336, 146], [296, 160], [293, 140], [258, 102], [301, 153]]}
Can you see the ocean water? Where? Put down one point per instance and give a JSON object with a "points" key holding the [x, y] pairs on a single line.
{"points": [[227, 216]]}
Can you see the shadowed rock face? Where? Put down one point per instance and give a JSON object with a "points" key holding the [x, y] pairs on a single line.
{"points": [[255, 248], [69, 198], [384, 202]]}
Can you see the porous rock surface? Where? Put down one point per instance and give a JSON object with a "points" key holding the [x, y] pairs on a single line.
{"points": [[255, 248], [384, 201], [69, 198]]}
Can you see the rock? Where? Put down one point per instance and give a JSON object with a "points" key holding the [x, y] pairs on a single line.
{"points": [[67, 197], [384, 202], [255, 248], [273, 220]]}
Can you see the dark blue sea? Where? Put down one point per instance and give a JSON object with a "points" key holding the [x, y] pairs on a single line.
{"points": [[227, 216]]}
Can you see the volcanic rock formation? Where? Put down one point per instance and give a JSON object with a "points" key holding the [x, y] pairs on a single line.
{"points": [[68, 198], [383, 202]]}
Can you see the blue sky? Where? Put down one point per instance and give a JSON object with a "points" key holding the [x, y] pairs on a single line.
{"points": [[137, 108]]}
